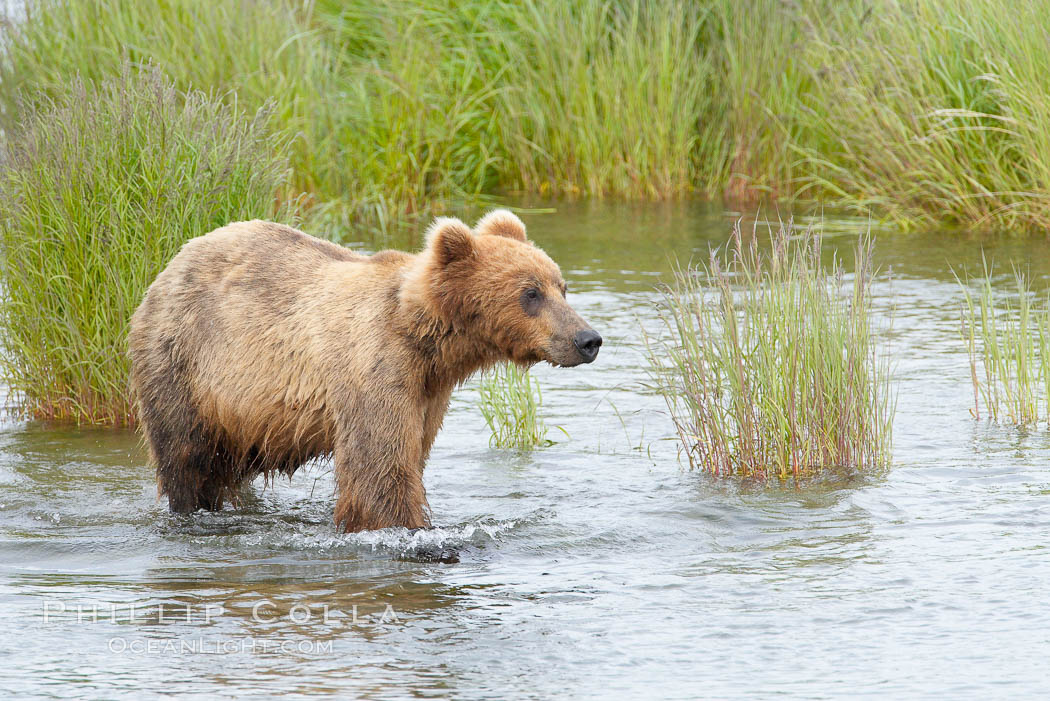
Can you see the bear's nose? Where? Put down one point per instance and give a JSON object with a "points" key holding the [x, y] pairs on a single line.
{"points": [[588, 342]]}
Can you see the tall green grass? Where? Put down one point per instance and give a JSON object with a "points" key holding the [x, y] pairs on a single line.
{"points": [[770, 362], [99, 188], [924, 112], [419, 131], [607, 97], [542, 95], [934, 111], [1008, 339], [510, 403], [246, 53]]}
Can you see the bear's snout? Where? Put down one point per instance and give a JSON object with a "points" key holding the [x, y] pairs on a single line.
{"points": [[587, 343]]}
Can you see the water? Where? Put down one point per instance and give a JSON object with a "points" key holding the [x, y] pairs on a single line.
{"points": [[597, 567]]}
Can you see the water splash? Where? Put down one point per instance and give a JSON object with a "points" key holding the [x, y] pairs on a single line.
{"points": [[443, 543], [436, 544]]}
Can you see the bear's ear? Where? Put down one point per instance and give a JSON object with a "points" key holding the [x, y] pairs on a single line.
{"points": [[450, 239], [500, 222]]}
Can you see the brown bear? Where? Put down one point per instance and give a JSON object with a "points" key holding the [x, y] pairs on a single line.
{"points": [[260, 348]]}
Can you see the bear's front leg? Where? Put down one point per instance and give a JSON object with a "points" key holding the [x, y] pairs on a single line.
{"points": [[378, 469]]}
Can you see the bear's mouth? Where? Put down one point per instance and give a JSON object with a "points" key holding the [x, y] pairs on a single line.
{"points": [[567, 359], [564, 363]]}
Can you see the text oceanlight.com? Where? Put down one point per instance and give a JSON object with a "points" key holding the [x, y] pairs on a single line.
{"points": [[218, 646]]}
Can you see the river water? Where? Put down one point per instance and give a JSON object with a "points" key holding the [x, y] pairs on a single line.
{"points": [[594, 568]]}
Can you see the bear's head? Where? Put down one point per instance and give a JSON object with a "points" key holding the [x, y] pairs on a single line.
{"points": [[496, 286]]}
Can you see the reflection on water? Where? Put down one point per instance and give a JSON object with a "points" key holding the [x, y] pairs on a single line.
{"points": [[594, 568]]}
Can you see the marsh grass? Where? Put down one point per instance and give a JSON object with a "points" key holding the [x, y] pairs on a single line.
{"points": [[621, 107], [249, 54], [931, 112], [98, 191], [1008, 339], [936, 111], [510, 400], [770, 363]]}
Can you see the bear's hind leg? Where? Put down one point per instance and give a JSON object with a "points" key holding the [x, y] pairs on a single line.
{"points": [[194, 474], [193, 469]]}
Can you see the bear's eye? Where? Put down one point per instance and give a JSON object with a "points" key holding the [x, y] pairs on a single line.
{"points": [[531, 301]]}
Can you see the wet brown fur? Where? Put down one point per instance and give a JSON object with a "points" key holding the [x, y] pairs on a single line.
{"points": [[260, 348]]}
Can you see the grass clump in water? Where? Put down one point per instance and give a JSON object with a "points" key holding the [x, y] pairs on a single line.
{"points": [[1008, 340], [510, 402], [770, 363], [99, 188]]}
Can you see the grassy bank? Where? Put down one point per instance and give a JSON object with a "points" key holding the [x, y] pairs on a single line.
{"points": [[934, 111], [769, 362], [99, 191]]}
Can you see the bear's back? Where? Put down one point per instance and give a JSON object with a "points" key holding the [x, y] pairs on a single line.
{"points": [[264, 240], [259, 263]]}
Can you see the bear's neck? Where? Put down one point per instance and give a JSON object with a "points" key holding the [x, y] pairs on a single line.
{"points": [[448, 354], [449, 350]]}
